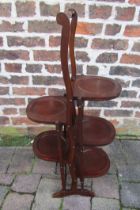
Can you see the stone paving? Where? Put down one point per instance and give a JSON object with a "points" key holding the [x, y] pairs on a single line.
{"points": [[27, 183]]}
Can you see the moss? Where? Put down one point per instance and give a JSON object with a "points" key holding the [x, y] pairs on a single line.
{"points": [[11, 136], [122, 136], [61, 205], [11, 131], [129, 128], [6, 140]]}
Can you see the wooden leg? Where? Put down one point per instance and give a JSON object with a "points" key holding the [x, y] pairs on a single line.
{"points": [[61, 158], [56, 167], [74, 189], [82, 192], [73, 177], [82, 182], [80, 104]]}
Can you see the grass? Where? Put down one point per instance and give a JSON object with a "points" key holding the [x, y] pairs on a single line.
{"points": [[18, 140], [61, 205], [127, 137], [6, 140]]}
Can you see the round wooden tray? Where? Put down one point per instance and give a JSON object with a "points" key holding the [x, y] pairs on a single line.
{"points": [[45, 146], [47, 109], [97, 131], [96, 88], [94, 162]]}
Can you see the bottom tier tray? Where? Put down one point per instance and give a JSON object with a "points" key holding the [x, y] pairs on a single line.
{"points": [[92, 163], [45, 146]]}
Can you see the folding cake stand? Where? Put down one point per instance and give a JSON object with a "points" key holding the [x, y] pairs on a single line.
{"points": [[76, 139]]}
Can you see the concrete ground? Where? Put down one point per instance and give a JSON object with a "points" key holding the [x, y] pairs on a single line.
{"points": [[27, 183]]}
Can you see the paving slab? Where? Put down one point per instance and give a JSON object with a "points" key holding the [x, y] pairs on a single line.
{"points": [[26, 183], [130, 195], [5, 158], [113, 168], [33, 181], [128, 209], [43, 199], [106, 186], [22, 161], [15, 201], [105, 204], [77, 203], [118, 154], [129, 173], [44, 167], [6, 179], [3, 192], [132, 152]]}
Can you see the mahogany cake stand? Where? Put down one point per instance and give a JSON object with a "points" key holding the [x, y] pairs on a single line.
{"points": [[76, 140]]}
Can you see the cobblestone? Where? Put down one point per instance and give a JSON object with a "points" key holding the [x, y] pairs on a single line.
{"points": [[128, 209], [5, 158], [27, 183], [44, 167], [22, 161], [130, 195], [129, 173], [105, 204], [76, 202], [43, 199], [113, 167], [106, 186], [118, 154], [15, 201], [3, 192], [6, 179], [131, 149]]}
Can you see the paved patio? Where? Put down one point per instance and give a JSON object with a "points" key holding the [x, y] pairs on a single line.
{"points": [[27, 183]]}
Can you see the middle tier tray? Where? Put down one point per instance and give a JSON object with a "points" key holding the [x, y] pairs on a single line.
{"points": [[96, 131]]}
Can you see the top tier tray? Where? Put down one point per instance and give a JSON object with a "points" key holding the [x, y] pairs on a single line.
{"points": [[96, 88]]}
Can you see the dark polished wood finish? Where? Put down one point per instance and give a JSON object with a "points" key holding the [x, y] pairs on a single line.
{"points": [[47, 109], [89, 87], [59, 111], [63, 20], [74, 141], [96, 88], [76, 191], [96, 131], [45, 146], [94, 163]]}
